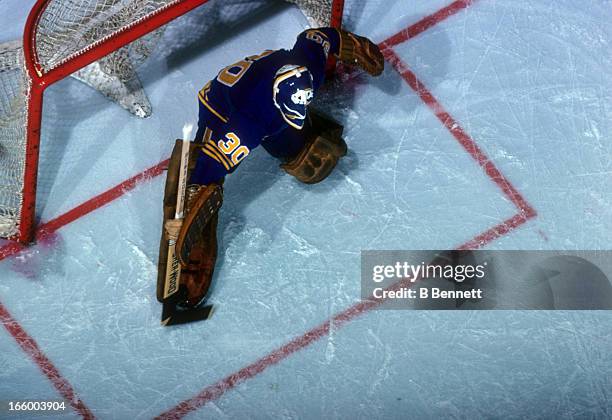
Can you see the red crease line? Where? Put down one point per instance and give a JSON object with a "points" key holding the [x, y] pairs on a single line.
{"points": [[29, 347], [100, 200], [496, 232], [27, 343], [425, 23], [50, 227], [10, 249], [216, 390], [459, 134]]}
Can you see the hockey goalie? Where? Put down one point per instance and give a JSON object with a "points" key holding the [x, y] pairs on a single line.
{"points": [[261, 100]]}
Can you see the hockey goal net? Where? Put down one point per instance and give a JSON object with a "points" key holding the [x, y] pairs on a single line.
{"points": [[100, 42]]}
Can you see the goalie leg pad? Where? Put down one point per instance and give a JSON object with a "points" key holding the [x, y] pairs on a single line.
{"points": [[321, 152], [203, 203], [196, 246], [197, 275], [169, 206]]}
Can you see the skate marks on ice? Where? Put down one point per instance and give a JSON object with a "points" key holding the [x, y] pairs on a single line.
{"points": [[398, 369]]}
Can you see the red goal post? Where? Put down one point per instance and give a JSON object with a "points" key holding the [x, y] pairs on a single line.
{"points": [[41, 72]]}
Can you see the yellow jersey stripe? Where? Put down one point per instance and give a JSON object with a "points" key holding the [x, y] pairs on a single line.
{"points": [[211, 155], [320, 33], [210, 108], [219, 152], [219, 157], [215, 148]]}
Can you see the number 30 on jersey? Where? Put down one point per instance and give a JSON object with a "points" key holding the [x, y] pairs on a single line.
{"points": [[233, 148]]}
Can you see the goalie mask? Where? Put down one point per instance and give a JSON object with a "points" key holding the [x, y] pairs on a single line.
{"points": [[292, 92]]}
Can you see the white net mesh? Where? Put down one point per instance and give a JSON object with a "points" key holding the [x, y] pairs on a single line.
{"points": [[65, 33], [66, 29], [13, 113], [318, 12], [69, 27]]}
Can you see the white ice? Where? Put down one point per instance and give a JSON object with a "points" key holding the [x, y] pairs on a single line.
{"points": [[529, 81]]}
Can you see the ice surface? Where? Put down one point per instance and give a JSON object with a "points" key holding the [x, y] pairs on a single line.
{"points": [[528, 81]]}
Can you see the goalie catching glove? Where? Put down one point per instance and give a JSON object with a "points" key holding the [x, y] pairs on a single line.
{"points": [[362, 52]]}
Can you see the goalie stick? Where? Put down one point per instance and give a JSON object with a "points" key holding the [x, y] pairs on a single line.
{"points": [[171, 314]]}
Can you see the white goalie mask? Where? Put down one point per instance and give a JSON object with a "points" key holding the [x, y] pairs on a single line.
{"points": [[292, 93]]}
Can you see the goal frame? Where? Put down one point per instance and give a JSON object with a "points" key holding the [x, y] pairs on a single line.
{"points": [[39, 80]]}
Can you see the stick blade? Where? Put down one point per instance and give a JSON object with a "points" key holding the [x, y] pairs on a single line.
{"points": [[173, 316]]}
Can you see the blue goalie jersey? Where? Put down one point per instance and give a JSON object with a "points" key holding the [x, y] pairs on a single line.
{"points": [[237, 110]]}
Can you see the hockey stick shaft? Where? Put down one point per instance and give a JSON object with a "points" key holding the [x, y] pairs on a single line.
{"points": [[173, 267]]}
